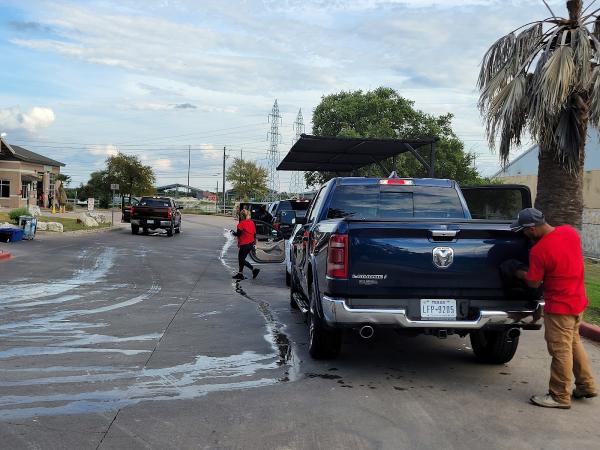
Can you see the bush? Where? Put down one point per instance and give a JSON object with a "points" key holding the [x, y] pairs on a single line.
{"points": [[16, 213], [69, 207]]}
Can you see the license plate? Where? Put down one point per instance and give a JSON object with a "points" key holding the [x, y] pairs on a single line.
{"points": [[438, 309]]}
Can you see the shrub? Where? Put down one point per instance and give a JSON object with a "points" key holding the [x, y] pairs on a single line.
{"points": [[69, 207], [15, 213]]}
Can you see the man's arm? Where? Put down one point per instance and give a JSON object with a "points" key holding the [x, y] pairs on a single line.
{"points": [[522, 275]]}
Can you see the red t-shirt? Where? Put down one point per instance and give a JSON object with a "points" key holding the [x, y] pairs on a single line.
{"points": [[557, 260], [246, 232]]}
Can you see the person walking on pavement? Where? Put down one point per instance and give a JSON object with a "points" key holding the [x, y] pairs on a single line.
{"points": [[246, 234], [556, 264]]}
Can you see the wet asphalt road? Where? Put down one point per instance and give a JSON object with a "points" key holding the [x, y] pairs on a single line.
{"points": [[112, 341]]}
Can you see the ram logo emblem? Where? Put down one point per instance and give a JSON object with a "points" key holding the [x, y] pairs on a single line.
{"points": [[443, 257]]}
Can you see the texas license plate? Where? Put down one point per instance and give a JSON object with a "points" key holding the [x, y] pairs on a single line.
{"points": [[438, 309]]}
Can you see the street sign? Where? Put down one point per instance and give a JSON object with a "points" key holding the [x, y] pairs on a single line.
{"points": [[114, 187], [90, 202]]}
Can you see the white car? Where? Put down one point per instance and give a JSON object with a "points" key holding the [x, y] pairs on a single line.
{"points": [[288, 254]]}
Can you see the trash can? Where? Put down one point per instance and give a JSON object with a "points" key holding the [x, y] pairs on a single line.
{"points": [[29, 225]]}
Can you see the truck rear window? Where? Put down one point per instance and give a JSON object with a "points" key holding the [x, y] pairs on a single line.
{"points": [[395, 202], [156, 202]]}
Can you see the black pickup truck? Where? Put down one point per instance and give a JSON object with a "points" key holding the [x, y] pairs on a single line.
{"points": [[409, 254], [153, 213]]}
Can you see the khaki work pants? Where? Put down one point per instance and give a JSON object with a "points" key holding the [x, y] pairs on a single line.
{"points": [[568, 356]]}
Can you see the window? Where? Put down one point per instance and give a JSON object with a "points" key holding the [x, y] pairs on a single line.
{"points": [[155, 202], [316, 205], [4, 188], [25, 190], [375, 202], [51, 187]]}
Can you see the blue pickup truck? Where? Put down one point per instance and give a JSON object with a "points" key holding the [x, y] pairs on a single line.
{"points": [[417, 255]]}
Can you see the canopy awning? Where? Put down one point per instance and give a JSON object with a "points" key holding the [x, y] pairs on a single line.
{"points": [[345, 155]]}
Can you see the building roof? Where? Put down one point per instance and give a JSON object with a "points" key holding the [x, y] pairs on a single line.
{"points": [[340, 154], [22, 154], [527, 162]]}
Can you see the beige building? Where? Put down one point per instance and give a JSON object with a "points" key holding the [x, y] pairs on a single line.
{"points": [[26, 178], [523, 170]]}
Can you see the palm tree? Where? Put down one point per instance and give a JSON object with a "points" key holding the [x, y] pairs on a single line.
{"points": [[544, 78]]}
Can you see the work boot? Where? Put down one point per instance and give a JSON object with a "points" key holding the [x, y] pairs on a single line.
{"points": [[579, 393], [255, 272], [547, 401]]}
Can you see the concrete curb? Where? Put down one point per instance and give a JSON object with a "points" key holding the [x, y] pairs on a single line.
{"points": [[590, 331], [4, 255]]}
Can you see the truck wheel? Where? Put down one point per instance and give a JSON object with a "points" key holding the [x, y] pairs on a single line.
{"points": [[323, 343], [170, 230], [145, 230], [135, 229], [178, 229], [494, 347]]}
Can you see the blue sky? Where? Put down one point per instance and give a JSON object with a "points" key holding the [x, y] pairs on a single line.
{"points": [[82, 80]]}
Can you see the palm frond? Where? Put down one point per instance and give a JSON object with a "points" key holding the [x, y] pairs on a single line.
{"points": [[582, 55], [568, 139], [495, 59], [595, 98], [559, 76], [527, 45]]}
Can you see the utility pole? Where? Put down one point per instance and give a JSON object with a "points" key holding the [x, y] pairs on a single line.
{"points": [[273, 153], [217, 198], [189, 163], [224, 156], [297, 181]]}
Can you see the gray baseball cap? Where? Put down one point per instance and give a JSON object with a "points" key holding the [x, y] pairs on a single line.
{"points": [[528, 217]]}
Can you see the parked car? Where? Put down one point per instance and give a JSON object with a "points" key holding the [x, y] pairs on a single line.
{"points": [[126, 208], [153, 213], [282, 219], [288, 254], [406, 254]]}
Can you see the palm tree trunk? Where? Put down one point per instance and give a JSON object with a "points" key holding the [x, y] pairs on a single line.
{"points": [[559, 193]]}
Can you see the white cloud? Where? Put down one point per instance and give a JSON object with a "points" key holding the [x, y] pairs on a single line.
{"points": [[103, 150], [32, 121], [161, 163]]}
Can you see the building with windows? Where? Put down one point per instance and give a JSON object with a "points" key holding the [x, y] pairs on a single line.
{"points": [[26, 178], [524, 169]]}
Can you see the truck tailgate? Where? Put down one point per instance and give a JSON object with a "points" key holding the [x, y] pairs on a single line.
{"points": [[151, 212], [396, 259]]}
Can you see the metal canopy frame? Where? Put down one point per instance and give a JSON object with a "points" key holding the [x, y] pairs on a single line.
{"points": [[346, 155]]}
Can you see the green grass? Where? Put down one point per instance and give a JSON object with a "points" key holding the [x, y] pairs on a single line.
{"points": [[592, 285], [68, 224]]}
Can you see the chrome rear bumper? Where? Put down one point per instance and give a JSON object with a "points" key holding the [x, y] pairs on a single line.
{"points": [[336, 312]]}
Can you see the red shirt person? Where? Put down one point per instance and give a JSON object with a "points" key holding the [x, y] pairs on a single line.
{"points": [[556, 264], [246, 234]]}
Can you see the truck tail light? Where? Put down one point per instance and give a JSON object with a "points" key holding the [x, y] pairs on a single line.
{"points": [[131, 211], [169, 213], [277, 225], [401, 181], [337, 256]]}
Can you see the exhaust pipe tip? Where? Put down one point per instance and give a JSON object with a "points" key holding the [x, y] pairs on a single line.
{"points": [[366, 332], [514, 333]]}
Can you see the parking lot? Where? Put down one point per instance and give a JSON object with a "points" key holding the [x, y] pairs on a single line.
{"points": [[109, 340]]}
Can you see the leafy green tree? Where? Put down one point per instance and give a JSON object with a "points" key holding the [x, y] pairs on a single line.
{"points": [[545, 80], [98, 187], [130, 174], [383, 113], [248, 179]]}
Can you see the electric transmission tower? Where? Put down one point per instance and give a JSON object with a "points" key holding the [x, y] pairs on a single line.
{"points": [[273, 153], [297, 180]]}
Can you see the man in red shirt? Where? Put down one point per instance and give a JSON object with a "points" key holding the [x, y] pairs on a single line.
{"points": [[556, 263], [246, 234]]}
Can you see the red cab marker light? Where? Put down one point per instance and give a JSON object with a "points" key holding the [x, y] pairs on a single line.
{"points": [[401, 181]]}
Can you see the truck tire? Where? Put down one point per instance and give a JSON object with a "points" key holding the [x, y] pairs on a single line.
{"points": [[323, 343], [145, 230], [178, 229], [135, 229], [494, 346], [170, 230]]}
